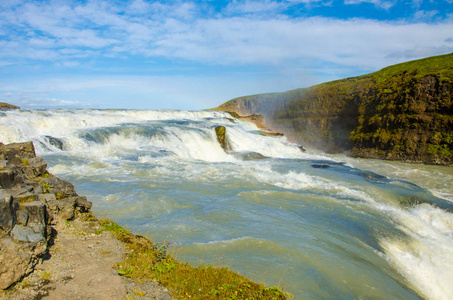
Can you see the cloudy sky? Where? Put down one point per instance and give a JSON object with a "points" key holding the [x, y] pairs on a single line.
{"points": [[198, 54]]}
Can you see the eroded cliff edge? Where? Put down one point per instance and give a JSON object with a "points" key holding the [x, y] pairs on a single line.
{"points": [[402, 112]]}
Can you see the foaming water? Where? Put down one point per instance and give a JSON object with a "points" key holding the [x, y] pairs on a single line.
{"points": [[426, 258], [321, 226]]}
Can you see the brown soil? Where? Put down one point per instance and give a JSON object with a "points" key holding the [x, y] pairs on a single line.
{"points": [[80, 265]]}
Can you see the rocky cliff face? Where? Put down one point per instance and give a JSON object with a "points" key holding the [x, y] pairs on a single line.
{"points": [[411, 121], [403, 112], [30, 199]]}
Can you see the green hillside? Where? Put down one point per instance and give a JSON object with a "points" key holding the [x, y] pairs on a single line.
{"points": [[4, 105], [402, 112]]}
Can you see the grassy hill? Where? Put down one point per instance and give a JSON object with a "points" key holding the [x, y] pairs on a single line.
{"points": [[402, 112], [4, 105]]}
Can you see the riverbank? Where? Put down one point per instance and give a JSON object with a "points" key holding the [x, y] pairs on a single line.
{"points": [[80, 265], [53, 246]]}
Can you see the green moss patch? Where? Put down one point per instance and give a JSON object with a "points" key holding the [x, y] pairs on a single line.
{"points": [[151, 261]]}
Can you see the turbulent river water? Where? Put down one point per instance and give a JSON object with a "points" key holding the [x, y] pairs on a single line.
{"points": [[322, 227]]}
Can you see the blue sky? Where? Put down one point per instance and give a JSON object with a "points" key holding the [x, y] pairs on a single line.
{"points": [[198, 54]]}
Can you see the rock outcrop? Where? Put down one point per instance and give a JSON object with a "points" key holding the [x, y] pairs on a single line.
{"points": [[250, 155], [4, 105], [30, 198], [220, 132], [223, 141], [56, 142], [258, 120]]}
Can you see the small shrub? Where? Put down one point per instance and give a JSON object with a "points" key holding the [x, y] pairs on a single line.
{"points": [[46, 175], [46, 187], [46, 275], [59, 196]]}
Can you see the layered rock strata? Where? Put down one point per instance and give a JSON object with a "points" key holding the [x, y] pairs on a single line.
{"points": [[30, 199]]}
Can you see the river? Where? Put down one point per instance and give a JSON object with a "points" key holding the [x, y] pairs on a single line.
{"points": [[320, 226]]}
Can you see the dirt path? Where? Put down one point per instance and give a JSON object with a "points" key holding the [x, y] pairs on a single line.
{"points": [[80, 266]]}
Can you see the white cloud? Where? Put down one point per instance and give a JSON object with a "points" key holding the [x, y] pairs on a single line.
{"points": [[62, 24], [39, 103], [69, 64], [378, 3], [423, 15], [10, 3], [64, 33], [345, 42], [139, 6], [36, 99], [252, 6], [418, 52], [5, 63], [268, 8]]}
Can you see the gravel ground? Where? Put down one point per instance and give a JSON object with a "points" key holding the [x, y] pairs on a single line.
{"points": [[80, 266]]}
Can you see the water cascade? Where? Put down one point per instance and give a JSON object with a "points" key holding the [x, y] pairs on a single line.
{"points": [[320, 226]]}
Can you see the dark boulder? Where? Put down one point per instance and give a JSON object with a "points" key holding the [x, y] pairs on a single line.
{"points": [[39, 166], [83, 204], [220, 132], [320, 166], [56, 142], [6, 179], [66, 207], [36, 211], [251, 155]]}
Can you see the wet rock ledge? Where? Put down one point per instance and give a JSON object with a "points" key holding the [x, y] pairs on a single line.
{"points": [[30, 200]]}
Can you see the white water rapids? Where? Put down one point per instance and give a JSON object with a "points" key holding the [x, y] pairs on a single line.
{"points": [[321, 226]]}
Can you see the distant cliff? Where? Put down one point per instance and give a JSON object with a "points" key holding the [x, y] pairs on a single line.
{"points": [[262, 104], [4, 105], [402, 112]]}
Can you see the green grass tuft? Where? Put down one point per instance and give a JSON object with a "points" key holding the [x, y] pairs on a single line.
{"points": [[151, 261]]}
